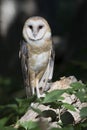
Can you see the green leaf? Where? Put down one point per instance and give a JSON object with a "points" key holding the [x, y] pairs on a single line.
{"points": [[23, 105], [26, 101], [3, 121], [36, 110], [53, 96], [84, 124], [82, 96], [55, 105], [69, 127], [56, 129], [69, 106], [28, 124], [7, 128], [13, 106], [83, 112], [65, 128], [77, 85]]}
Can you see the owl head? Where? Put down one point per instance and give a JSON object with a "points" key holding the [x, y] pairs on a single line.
{"points": [[36, 29]]}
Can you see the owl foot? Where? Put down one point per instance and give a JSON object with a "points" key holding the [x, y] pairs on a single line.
{"points": [[41, 95], [32, 104]]}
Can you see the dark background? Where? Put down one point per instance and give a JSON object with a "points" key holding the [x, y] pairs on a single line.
{"points": [[68, 21]]}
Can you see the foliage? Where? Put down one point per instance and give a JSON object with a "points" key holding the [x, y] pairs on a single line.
{"points": [[10, 113]]}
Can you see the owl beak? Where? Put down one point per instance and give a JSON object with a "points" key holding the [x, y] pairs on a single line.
{"points": [[35, 34]]}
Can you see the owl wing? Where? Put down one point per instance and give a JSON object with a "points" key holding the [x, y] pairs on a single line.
{"points": [[23, 54], [48, 74], [51, 63]]}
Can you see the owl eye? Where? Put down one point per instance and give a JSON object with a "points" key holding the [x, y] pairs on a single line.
{"points": [[31, 27], [40, 27]]}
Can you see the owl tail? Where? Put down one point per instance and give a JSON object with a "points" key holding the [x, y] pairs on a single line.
{"points": [[28, 91]]}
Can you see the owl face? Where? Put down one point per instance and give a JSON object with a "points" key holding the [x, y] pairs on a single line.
{"points": [[35, 29]]}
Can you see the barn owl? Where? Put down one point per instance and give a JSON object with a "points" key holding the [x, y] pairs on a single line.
{"points": [[37, 55]]}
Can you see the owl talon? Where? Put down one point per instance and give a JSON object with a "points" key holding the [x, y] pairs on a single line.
{"points": [[41, 95], [32, 104]]}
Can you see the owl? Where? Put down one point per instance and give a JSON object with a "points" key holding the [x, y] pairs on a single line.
{"points": [[37, 56]]}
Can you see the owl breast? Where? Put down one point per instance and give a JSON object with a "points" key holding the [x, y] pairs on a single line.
{"points": [[39, 61]]}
